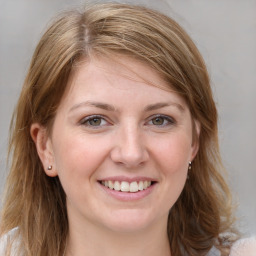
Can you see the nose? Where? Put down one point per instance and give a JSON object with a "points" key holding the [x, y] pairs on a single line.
{"points": [[129, 149]]}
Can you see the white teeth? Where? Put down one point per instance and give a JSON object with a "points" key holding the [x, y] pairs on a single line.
{"points": [[125, 186], [134, 187], [117, 186], [141, 185], [111, 184]]}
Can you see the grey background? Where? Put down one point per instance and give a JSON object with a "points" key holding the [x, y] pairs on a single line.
{"points": [[224, 31]]}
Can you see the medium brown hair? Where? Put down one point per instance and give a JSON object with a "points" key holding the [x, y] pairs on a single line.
{"points": [[35, 203]]}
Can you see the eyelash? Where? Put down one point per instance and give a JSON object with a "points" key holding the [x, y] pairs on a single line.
{"points": [[85, 121], [166, 119]]}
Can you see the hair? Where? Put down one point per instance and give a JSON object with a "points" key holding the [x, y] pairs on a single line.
{"points": [[36, 204]]}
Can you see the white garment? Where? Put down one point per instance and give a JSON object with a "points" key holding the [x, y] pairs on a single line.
{"points": [[5, 240], [243, 247]]}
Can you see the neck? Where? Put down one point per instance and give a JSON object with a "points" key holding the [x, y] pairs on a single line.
{"points": [[93, 240]]}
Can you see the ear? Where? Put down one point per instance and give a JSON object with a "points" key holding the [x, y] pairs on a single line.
{"points": [[44, 148], [195, 142]]}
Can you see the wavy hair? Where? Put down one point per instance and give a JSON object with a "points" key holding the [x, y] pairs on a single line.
{"points": [[35, 203]]}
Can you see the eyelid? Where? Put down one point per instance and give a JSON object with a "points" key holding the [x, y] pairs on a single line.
{"points": [[171, 120], [90, 117]]}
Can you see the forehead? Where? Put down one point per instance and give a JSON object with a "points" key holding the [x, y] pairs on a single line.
{"points": [[119, 73]]}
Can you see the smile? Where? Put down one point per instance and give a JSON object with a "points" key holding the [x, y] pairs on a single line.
{"points": [[125, 186]]}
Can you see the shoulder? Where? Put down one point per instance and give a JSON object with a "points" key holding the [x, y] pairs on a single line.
{"points": [[244, 247], [7, 239]]}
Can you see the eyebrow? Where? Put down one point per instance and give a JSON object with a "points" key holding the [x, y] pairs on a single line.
{"points": [[93, 104], [111, 108], [162, 105]]}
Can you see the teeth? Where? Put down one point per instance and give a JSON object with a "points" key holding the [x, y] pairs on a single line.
{"points": [[134, 187], [117, 186], [125, 186], [141, 185], [111, 184]]}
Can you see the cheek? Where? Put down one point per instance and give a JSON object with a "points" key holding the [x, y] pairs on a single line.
{"points": [[174, 154], [77, 157], [173, 157], [77, 160]]}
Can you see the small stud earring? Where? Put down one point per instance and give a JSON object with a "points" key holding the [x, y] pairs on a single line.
{"points": [[49, 167], [189, 168]]}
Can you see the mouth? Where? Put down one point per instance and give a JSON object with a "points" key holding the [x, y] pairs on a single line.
{"points": [[127, 187]]}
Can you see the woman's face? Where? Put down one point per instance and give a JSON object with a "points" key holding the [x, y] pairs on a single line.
{"points": [[120, 146]]}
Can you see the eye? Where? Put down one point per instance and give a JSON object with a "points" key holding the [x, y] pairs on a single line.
{"points": [[94, 121], [161, 120], [158, 120]]}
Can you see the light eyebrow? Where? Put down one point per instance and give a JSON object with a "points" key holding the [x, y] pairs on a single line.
{"points": [[162, 105], [93, 104]]}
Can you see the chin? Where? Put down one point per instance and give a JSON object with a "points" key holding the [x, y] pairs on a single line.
{"points": [[128, 221]]}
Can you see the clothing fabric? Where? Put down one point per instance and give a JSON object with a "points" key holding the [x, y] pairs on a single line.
{"points": [[6, 239], [243, 247]]}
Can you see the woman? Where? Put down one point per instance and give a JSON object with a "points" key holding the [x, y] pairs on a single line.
{"points": [[114, 143]]}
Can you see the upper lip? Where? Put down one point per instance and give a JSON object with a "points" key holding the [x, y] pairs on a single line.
{"points": [[128, 179]]}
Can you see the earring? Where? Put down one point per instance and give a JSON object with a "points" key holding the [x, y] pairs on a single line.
{"points": [[189, 168], [49, 167]]}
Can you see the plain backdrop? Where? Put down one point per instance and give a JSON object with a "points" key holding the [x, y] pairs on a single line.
{"points": [[225, 33]]}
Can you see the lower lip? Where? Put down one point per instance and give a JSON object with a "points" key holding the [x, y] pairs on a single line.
{"points": [[128, 196]]}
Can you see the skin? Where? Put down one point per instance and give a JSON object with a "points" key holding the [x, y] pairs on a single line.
{"points": [[139, 130]]}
